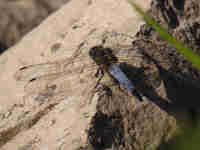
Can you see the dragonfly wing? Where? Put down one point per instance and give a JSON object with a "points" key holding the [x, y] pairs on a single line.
{"points": [[44, 88], [43, 77], [34, 71], [63, 85], [30, 72], [39, 84]]}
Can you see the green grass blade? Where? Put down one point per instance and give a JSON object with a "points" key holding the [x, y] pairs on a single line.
{"points": [[185, 51]]}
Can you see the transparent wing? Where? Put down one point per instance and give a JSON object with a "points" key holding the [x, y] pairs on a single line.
{"points": [[42, 77], [41, 83], [30, 72], [126, 54]]}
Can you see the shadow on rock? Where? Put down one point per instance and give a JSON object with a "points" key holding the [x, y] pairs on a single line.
{"points": [[106, 131], [146, 86], [169, 14], [2, 48], [182, 92], [179, 4], [122, 123]]}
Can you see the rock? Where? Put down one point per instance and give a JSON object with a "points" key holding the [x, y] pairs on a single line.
{"points": [[180, 78], [56, 99]]}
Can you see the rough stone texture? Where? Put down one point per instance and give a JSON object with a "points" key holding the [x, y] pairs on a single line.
{"points": [[18, 17], [180, 78], [52, 99], [182, 21]]}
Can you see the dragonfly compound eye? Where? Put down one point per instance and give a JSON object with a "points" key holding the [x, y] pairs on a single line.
{"points": [[102, 55], [93, 52]]}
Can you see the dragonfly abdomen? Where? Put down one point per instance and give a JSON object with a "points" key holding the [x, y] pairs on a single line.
{"points": [[119, 75]]}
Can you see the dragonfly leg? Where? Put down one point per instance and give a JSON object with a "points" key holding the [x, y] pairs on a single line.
{"points": [[137, 94], [99, 72]]}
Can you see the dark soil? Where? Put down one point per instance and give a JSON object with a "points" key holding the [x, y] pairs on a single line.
{"points": [[124, 124]]}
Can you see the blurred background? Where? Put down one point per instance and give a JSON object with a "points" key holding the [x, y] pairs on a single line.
{"points": [[18, 17]]}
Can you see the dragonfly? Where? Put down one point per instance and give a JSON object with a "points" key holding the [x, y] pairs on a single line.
{"points": [[61, 78], [107, 62]]}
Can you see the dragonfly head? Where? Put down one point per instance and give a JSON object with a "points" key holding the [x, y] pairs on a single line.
{"points": [[102, 55]]}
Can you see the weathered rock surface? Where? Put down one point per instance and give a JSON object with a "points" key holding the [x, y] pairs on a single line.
{"points": [[51, 97], [180, 78], [182, 21]]}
